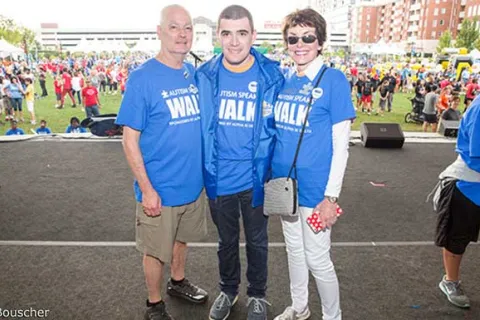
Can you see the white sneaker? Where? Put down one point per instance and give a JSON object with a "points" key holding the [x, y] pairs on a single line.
{"points": [[291, 314]]}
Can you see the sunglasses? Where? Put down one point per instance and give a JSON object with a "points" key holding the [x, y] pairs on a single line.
{"points": [[305, 39]]}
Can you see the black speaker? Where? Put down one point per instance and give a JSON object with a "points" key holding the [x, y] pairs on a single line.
{"points": [[381, 135], [449, 128]]}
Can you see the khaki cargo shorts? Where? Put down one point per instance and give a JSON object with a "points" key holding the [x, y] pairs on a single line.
{"points": [[155, 236]]}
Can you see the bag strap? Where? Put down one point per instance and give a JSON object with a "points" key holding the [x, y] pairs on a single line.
{"points": [[309, 106]]}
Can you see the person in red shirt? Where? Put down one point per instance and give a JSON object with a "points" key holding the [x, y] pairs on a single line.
{"points": [[67, 87], [58, 84], [471, 92], [354, 73], [90, 99]]}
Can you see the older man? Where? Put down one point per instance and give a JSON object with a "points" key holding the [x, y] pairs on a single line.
{"points": [[160, 113]]}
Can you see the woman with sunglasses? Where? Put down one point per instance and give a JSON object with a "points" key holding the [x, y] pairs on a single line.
{"points": [[321, 160]]}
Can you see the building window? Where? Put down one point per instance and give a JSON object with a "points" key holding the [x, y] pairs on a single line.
{"points": [[434, 23], [442, 22], [443, 10], [434, 34], [437, 1], [435, 12]]}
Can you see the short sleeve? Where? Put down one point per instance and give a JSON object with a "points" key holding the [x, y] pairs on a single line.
{"points": [[133, 109], [474, 133], [341, 106]]}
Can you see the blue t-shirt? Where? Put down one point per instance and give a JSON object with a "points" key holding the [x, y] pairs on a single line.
{"points": [[78, 129], [236, 114], [43, 130], [13, 132], [162, 103], [468, 147], [14, 89], [331, 104]]}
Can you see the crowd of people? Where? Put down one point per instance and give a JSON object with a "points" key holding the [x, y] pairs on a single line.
{"points": [[81, 80]]}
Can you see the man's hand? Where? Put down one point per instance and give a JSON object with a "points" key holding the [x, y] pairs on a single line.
{"points": [[327, 212], [151, 203]]}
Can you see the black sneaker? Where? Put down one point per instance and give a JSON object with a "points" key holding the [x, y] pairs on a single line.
{"points": [[187, 291], [157, 312]]}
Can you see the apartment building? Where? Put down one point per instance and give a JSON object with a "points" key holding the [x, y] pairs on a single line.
{"points": [[415, 25]]}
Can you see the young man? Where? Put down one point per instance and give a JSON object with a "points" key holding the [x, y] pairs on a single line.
{"points": [[14, 130], [430, 109], [43, 129], [392, 82], [237, 91], [160, 114]]}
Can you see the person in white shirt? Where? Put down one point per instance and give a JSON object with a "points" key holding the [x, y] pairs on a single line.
{"points": [[77, 86], [321, 162]]}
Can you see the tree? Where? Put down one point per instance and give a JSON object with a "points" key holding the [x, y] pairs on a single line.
{"points": [[445, 41], [468, 34], [267, 45], [17, 35], [476, 45]]}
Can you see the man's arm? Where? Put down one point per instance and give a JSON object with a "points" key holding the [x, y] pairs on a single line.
{"points": [[150, 199]]}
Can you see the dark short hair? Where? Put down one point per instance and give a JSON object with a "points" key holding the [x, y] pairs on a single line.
{"points": [[306, 18], [74, 119], [43, 121], [455, 97], [235, 12]]}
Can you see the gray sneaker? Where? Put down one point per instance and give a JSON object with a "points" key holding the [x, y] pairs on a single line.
{"points": [[454, 293], [221, 307], [257, 309]]}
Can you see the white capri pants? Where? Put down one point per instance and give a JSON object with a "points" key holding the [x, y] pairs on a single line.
{"points": [[306, 252]]}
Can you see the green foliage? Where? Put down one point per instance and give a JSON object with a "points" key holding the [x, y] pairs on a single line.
{"points": [[445, 41], [468, 34], [17, 35], [267, 46]]}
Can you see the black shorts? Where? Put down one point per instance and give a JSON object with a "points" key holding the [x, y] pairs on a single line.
{"points": [[467, 100], [462, 225], [430, 118]]}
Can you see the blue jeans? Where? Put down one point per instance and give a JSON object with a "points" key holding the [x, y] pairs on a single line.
{"points": [[92, 111], [16, 103], [226, 214]]}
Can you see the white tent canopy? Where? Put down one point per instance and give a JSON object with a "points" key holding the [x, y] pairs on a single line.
{"points": [[83, 46], [147, 45], [99, 46], [382, 48], [8, 49], [475, 54]]}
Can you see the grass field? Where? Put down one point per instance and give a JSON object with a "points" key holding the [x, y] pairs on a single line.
{"points": [[58, 119]]}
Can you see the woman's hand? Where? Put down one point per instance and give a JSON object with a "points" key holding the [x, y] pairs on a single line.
{"points": [[327, 212]]}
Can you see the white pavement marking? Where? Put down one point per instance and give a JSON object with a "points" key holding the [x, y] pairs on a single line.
{"points": [[202, 244]]}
